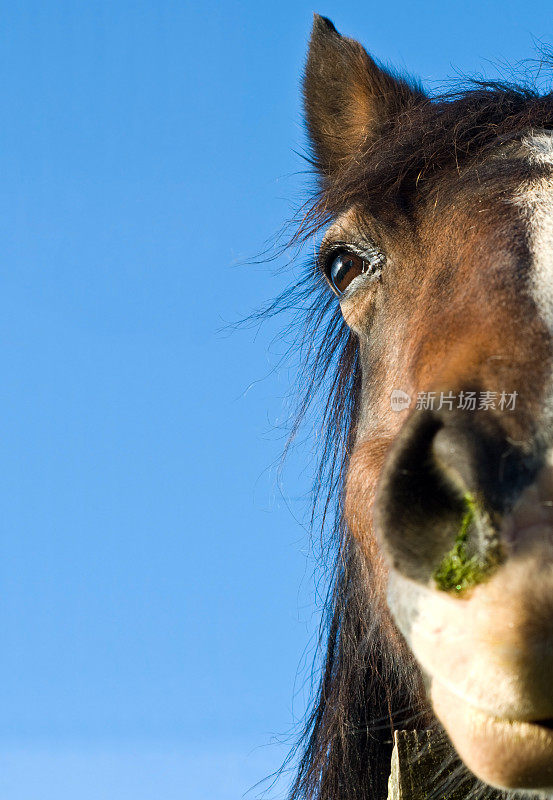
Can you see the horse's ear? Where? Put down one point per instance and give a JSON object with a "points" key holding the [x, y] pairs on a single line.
{"points": [[348, 98]]}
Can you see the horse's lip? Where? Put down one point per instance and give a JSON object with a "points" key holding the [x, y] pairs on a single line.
{"points": [[543, 723], [523, 719], [504, 752]]}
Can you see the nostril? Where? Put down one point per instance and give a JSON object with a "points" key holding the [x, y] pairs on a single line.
{"points": [[482, 462], [417, 510], [439, 463], [458, 456]]}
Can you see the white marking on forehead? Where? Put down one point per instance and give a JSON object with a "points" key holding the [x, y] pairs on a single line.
{"points": [[535, 200], [538, 147], [535, 147]]}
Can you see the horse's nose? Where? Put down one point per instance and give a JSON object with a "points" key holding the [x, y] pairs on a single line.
{"points": [[448, 474]]}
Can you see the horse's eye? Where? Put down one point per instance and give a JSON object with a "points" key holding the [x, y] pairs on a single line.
{"points": [[343, 268]]}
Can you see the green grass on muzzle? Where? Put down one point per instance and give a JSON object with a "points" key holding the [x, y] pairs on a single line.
{"points": [[458, 571]]}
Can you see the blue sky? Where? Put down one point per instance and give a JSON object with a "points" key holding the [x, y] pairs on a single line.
{"points": [[156, 590]]}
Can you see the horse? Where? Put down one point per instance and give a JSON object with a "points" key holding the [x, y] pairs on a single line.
{"points": [[432, 307]]}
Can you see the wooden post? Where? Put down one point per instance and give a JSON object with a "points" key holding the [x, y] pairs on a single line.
{"points": [[417, 763]]}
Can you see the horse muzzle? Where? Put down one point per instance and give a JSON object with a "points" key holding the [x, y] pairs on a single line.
{"points": [[486, 649]]}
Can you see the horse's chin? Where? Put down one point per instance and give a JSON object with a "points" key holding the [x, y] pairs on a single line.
{"points": [[509, 754]]}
